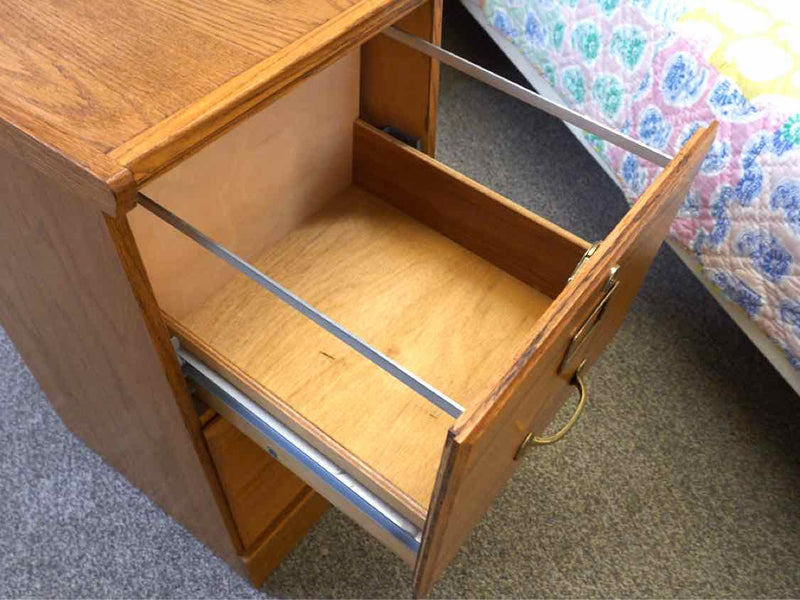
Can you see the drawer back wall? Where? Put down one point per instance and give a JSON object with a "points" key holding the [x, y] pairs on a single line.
{"points": [[251, 186]]}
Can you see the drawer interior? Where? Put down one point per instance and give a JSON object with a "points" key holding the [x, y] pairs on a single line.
{"points": [[446, 314], [438, 273]]}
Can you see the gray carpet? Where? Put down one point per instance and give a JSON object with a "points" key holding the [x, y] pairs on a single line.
{"points": [[681, 479]]}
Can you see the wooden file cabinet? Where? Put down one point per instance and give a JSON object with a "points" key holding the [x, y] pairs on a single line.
{"points": [[261, 124]]}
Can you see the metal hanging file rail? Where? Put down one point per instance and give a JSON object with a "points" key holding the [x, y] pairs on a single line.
{"points": [[448, 405], [528, 97]]}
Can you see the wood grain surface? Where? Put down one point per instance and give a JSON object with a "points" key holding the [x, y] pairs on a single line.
{"points": [[268, 552], [90, 176], [258, 488], [200, 121], [400, 86], [529, 247], [138, 84], [317, 483], [252, 186]]}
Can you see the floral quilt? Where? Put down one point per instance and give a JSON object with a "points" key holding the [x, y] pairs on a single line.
{"points": [[659, 69]]}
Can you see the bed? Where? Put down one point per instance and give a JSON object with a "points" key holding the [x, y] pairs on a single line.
{"points": [[657, 70]]}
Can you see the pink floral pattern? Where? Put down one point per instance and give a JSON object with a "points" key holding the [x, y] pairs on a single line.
{"points": [[625, 63]]}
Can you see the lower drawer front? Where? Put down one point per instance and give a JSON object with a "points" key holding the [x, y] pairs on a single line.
{"points": [[271, 508], [265, 556], [258, 488]]}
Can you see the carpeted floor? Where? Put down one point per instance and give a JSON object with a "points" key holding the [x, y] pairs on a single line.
{"points": [[681, 479]]}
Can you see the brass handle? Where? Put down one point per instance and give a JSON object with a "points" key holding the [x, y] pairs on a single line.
{"points": [[545, 440]]}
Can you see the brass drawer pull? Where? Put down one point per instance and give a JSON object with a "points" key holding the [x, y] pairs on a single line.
{"points": [[544, 440]]}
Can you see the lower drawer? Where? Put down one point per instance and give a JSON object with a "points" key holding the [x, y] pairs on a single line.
{"points": [[266, 555], [271, 508]]}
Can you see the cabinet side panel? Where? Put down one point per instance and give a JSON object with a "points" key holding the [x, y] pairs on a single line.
{"points": [[66, 301]]}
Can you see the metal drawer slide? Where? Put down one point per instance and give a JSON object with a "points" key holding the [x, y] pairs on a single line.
{"points": [[298, 455]]}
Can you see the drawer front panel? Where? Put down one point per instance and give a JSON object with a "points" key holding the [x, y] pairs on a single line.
{"points": [[266, 555], [480, 449]]}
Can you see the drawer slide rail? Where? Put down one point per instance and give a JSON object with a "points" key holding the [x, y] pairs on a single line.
{"points": [[287, 447]]}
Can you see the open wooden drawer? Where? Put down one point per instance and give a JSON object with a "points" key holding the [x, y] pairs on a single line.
{"points": [[464, 300]]}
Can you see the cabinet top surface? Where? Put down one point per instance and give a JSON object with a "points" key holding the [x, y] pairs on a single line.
{"points": [[137, 83]]}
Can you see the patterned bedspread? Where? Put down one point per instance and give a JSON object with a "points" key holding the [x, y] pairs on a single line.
{"points": [[658, 69]]}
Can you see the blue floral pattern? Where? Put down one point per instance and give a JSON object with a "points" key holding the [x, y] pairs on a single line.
{"points": [[728, 104], [738, 291], [683, 80], [628, 63], [786, 199], [767, 254], [653, 129]]}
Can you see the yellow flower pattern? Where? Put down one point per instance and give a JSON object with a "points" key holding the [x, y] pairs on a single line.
{"points": [[756, 43]]}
